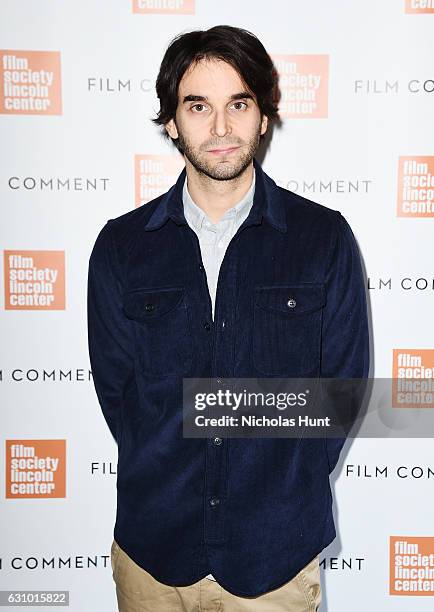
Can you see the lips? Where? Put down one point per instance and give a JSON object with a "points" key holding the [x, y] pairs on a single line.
{"points": [[223, 151]]}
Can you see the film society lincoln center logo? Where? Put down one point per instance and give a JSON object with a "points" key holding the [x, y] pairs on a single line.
{"points": [[415, 186], [413, 378], [419, 6], [181, 7], [304, 85], [35, 468], [155, 174], [34, 280], [411, 566], [30, 83]]}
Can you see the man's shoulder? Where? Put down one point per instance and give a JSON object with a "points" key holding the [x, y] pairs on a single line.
{"points": [[137, 217], [305, 215], [295, 203], [121, 233]]}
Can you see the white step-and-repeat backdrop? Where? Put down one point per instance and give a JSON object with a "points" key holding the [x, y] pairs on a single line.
{"points": [[78, 147]]}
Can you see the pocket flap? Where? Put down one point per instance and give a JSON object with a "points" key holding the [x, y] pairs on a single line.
{"points": [[291, 300], [145, 304]]}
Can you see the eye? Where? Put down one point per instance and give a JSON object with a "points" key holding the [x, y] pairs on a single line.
{"points": [[197, 108], [240, 105]]}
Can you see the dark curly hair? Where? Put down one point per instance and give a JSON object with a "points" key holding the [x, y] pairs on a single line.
{"points": [[239, 48]]}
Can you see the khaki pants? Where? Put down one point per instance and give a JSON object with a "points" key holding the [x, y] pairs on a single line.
{"points": [[138, 591]]}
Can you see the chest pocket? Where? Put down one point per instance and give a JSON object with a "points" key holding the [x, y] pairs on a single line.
{"points": [[287, 329], [163, 331]]}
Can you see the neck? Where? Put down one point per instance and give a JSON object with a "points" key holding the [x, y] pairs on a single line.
{"points": [[216, 197]]}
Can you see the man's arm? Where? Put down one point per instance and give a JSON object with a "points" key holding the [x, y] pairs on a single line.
{"points": [[345, 341], [110, 338]]}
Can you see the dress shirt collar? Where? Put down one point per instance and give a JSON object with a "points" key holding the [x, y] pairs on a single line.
{"points": [[196, 216]]}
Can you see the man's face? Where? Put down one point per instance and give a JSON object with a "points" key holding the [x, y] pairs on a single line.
{"points": [[218, 122]]}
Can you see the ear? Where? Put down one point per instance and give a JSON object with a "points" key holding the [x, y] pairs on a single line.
{"points": [[171, 129], [264, 124]]}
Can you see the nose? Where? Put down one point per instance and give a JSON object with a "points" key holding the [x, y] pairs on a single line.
{"points": [[220, 125]]}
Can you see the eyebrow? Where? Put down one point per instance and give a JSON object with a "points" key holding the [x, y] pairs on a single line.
{"points": [[237, 96]]}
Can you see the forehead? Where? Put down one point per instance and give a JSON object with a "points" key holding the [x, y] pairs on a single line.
{"points": [[209, 77]]}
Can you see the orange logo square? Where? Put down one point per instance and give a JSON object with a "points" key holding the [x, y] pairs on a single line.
{"points": [[419, 6], [34, 280], [155, 174], [35, 468], [415, 186], [181, 7], [411, 565], [303, 83], [31, 83], [413, 378]]}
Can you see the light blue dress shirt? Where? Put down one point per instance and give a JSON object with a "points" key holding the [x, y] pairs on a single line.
{"points": [[215, 237]]}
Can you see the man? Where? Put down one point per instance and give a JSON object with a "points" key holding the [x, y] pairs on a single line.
{"points": [[225, 275]]}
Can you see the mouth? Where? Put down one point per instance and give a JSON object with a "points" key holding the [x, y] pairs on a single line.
{"points": [[224, 151]]}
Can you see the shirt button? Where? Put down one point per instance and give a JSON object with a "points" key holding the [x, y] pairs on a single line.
{"points": [[201, 268], [207, 326], [214, 501], [217, 441], [220, 244], [149, 307], [291, 303]]}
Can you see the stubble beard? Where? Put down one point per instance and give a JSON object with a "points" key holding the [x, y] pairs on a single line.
{"points": [[224, 170]]}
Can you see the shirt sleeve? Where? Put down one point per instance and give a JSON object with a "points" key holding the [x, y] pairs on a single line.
{"points": [[345, 339], [110, 338]]}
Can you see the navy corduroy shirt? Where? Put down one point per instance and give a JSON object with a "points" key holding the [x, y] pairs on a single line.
{"points": [[252, 512]]}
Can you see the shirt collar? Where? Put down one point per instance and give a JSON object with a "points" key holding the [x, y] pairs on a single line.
{"points": [[268, 203], [196, 216]]}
